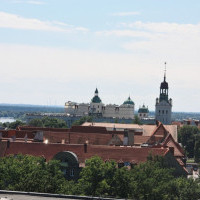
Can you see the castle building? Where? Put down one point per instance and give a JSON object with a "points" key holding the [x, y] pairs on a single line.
{"points": [[163, 105], [143, 112], [97, 108]]}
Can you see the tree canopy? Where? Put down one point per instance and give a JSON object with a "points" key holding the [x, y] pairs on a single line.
{"points": [[189, 137], [29, 173], [48, 122], [82, 120], [150, 180]]}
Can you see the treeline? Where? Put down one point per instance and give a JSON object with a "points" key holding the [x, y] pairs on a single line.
{"points": [[150, 180], [20, 111], [189, 137], [47, 122]]}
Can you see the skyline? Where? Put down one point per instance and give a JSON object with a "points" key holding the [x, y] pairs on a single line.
{"points": [[57, 51]]}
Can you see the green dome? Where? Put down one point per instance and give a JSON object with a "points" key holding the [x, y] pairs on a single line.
{"points": [[129, 102], [143, 110], [96, 99]]}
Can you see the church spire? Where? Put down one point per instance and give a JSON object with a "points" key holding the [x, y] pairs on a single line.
{"points": [[165, 71], [164, 88], [96, 92]]}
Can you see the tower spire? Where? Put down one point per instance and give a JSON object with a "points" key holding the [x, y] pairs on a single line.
{"points": [[165, 71]]}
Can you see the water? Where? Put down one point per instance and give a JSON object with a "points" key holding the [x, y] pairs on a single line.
{"points": [[7, 119]]}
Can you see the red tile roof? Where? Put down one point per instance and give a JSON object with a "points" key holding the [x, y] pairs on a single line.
{"points": [[170, 142], [127, 154], [139, 139], [89, 129], [30, 128]]}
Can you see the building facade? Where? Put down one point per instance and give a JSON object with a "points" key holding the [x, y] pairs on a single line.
{"points": [[97, 108], [163, 107], [143, 112]]}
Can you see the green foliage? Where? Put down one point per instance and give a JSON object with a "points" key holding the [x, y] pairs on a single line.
{"points": [[150, 180], [54, 122], [197, 149], [187, 136], [82, 120], [48, 122], [36, 122], [185, 189], [137, 120], [103, 179], [28, 173], [13, 125]]}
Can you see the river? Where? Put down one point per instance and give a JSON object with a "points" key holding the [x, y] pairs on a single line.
{"points": [[7, 119]]}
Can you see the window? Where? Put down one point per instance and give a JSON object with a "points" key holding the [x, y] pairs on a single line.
{"points": [[64, 171], [163, 112], [166, 111], [71, 172]]}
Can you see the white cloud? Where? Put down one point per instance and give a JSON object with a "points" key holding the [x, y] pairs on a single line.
{"points": [[177, 41], [164, 27], [34, 2], [122, 14], [181, 41], [13, 21], [125, 33]]}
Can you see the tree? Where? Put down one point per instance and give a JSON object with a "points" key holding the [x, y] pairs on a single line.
{"points": [[187, 135], [54, 122], [82, 120], [92, 176], [149, 180], [14, 125], [136, 120], [197, 149], [101, 178], [29, 173], [36, 122], [185, 189], [48, 122]]}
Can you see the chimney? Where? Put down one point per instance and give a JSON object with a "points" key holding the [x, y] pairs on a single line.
{"points": [[125, 142], [38, 136], [13, 138], [131, 137], [85, 146], [8, 143], [157, 123], [26, 138]]}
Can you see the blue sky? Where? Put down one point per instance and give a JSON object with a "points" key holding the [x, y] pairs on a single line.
{"points": [[59, 50]]}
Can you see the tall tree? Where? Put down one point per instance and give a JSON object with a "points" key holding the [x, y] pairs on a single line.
{"points": [[187, 135]]}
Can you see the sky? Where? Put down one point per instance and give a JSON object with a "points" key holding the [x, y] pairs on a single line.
{"points": [[54, 51]]}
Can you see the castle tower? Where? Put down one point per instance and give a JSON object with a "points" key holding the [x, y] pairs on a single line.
{"points": [[143, 112], [163, 103], [96, 104]]}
